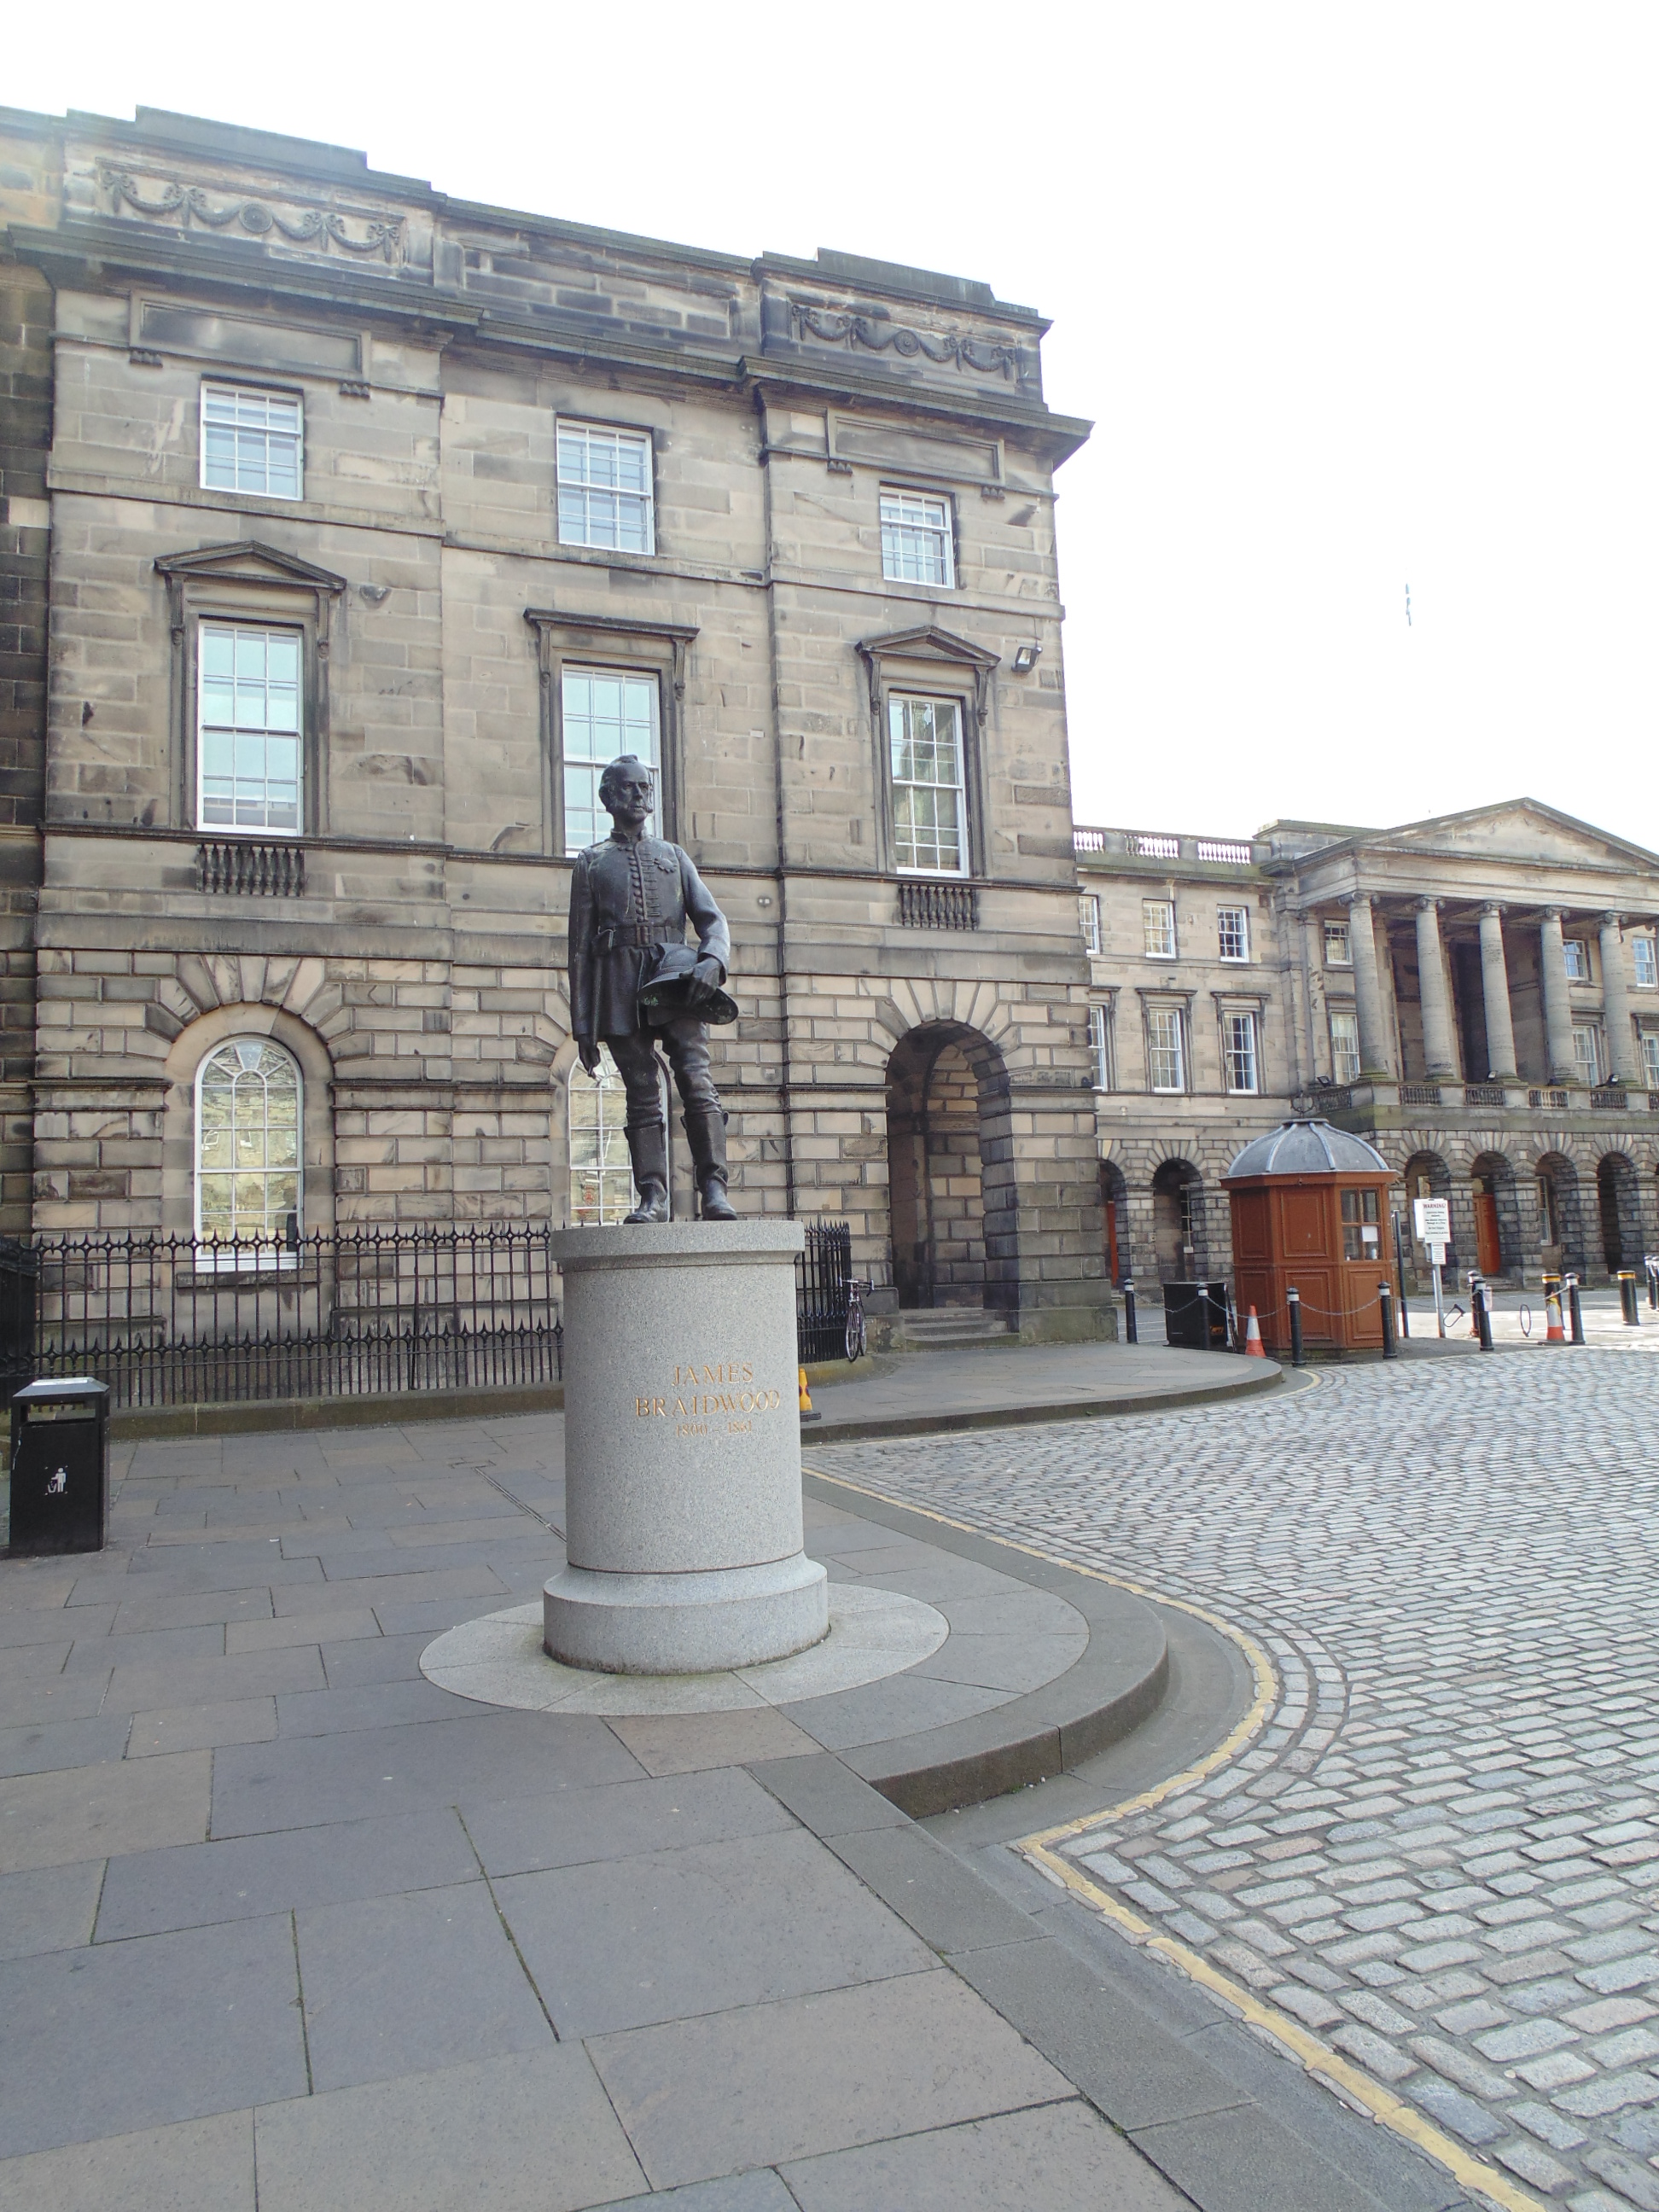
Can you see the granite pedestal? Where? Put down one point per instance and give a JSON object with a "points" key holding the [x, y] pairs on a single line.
{"points": [[682, 1452]]}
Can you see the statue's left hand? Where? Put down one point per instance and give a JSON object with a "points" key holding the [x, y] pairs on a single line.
{"points": [[706, 979]]}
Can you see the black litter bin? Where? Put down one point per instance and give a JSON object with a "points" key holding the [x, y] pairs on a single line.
{"points": [[59, 1466], [1195, 1316]]}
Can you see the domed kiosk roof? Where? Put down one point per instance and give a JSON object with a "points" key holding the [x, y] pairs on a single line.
{"points": [[1307, 1146]]}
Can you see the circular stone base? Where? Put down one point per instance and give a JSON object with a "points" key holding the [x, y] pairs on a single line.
{"points": [[500, 1661], [692, 1624]]}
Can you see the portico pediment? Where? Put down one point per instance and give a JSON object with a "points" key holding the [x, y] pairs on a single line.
{"points": [[1522, 829]]}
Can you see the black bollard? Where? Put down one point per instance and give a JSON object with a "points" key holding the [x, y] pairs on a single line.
{"points": [[1400, 1270], [1131, 1335], [1293, 1299], [1628, 1300], [1482, 1300], [1652, 1266], [1575, 1311], [1385, 1300]]}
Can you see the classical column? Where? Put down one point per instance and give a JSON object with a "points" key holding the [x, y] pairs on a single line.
{"points": [[1558, 1006], [1313, 996], [1626, 1063], [1439, 1046], [1374, 1060], [1495, 992]]}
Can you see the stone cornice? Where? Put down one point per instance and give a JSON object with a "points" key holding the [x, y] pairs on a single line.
{"points": [[833, 377], [90, 247], [93, 245]]}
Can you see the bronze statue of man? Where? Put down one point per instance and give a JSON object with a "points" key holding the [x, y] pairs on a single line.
{"points": [[631, 897]]}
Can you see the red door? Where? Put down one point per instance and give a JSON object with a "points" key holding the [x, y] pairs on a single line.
{"points": [[1489, 1253]]}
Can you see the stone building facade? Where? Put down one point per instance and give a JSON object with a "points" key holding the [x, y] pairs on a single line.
{"points": [[1478, 994], [365, 521]]}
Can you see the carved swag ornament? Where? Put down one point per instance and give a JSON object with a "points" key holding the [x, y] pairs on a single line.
{"points": [[865, 331], [381, 235]]}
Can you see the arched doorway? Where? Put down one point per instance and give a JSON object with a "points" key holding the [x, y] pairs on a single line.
{"points": [[1115, 1200], [1497, 1215], [1178, 1222], [949, 1160], [1560, 1228], [1618, 1206], [1425, 1175]]}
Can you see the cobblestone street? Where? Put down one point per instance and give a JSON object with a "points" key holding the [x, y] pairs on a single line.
{"points": [[1440, 1852]]}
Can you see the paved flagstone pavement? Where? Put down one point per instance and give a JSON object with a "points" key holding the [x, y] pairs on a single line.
{"points": [[1442, 1853], [283, 1924]]}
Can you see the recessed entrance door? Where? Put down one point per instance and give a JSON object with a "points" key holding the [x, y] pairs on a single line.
{"points": [[1489, 1253]]}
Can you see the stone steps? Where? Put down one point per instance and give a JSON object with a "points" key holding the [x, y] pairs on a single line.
{"points": [[938, 1327]]}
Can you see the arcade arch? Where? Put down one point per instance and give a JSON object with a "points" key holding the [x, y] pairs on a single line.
{"points": [[950, 1170]]}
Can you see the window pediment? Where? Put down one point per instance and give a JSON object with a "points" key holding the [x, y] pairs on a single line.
{"points": [[248, 562], [928, 642], [250, 583]]}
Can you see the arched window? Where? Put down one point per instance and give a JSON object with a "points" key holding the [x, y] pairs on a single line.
{"points": [[247, 1143], [601, 1173]]}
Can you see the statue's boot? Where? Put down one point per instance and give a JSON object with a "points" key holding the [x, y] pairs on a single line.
{"points": [[705, 1130], [648, 1147]]}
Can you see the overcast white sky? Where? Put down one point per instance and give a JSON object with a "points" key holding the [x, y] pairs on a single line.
{"points": [[1358, 298]]}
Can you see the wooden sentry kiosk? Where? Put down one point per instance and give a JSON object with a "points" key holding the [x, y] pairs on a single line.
{"points": [[1309, 1208]]}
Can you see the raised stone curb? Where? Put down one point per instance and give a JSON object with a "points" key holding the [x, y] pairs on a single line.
{"points": [[383, 1410], [831, 1431], [1108, 1692], [391, 1409]]}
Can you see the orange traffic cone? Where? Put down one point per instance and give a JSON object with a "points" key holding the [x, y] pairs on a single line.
{"points": [[1253, 1344], [1554, 1333]]}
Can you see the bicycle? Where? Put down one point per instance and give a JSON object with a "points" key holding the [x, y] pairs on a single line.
{"points": [[857, 1339]]}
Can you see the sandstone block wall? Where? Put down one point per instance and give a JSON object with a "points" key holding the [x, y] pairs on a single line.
{"points": [[416, 974]]}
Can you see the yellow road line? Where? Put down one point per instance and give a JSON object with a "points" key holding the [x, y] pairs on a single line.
{"points": [[1317, 2057], [1389, 2111]]}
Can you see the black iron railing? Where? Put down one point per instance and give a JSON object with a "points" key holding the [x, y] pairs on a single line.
{"points": [[18, 1270], [822, 1273], [169, 1321]]}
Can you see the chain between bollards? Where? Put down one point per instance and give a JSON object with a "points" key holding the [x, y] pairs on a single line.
{"points": [[1293, 1299]]}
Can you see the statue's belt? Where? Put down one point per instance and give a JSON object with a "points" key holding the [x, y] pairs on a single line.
{"points": [[641, 934]]}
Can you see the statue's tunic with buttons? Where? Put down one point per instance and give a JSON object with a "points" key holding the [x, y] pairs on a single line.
{"points": [[626, 895]]}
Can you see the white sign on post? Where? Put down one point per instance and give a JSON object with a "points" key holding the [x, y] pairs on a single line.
{"points": [[1432, 1221], [1431, 1224]]}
